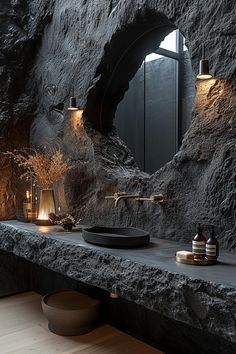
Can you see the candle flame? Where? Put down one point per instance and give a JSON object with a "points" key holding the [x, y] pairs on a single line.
{"points": [[27, 194], [43, 215]]}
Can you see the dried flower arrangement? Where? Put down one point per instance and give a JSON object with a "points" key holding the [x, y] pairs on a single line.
{"points": [[46, 168]]}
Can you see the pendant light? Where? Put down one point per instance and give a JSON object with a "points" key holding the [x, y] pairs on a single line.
{"points": [[204, 67], [72, 104]]}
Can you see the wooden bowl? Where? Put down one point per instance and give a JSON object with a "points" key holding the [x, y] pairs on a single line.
{"points": [[70, 313]]}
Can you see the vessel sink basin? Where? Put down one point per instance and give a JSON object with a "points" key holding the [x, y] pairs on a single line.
{"points": [[116, 237]]}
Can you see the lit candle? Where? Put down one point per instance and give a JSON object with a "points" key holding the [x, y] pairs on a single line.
{"points": [[27, 195]]}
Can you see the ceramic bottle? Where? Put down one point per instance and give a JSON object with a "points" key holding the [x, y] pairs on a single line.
{"points": [[199, 245], [212, 246]]}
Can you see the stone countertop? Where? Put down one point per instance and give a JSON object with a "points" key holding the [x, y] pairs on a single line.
{"points": [[201, 296]]}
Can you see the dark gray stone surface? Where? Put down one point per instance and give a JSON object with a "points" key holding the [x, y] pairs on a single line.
{"points": [[202, 297], [49, 46]]}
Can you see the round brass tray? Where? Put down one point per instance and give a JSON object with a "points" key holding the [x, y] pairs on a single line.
{"points": [[199, 262]]}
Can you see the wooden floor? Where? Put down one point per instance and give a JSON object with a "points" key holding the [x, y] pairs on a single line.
{"points": [[23, 329]]}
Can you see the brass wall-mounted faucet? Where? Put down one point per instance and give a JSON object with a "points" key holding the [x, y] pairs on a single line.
{"points": [[123, 195]]}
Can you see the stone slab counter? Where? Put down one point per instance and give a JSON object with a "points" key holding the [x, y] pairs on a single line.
{"points": [[202, 297]]}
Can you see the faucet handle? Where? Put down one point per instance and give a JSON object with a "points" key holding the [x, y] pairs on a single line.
{"points": [[153, 198]]}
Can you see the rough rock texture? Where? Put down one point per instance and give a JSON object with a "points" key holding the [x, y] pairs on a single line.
{"points": [[199, 303], [48, 47]]}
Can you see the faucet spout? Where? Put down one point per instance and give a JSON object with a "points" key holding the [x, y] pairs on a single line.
{"points": [[126, 196], [122, 195]]}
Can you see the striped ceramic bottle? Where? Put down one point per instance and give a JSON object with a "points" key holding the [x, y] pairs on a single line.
{"points": [[199, 245]]}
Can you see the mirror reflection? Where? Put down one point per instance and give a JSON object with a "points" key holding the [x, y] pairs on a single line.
{"points": [[156, 110]]}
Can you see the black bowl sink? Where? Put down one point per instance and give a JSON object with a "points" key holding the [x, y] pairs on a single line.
{"points": [[117, 237]]}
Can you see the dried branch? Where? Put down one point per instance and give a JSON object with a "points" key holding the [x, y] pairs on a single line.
{"points": [[46, 168]]}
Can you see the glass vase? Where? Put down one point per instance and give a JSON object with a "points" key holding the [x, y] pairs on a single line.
{"points": [[46, 206]]}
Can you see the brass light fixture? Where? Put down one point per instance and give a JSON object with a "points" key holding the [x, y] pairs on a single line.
{"points": [[204, 67]]}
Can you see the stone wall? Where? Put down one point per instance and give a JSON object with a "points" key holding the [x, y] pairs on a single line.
{"points": [[49, 47]]}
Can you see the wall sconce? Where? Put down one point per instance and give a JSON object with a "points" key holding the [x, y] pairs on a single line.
{"points": [[204, 67], [72, 104]]}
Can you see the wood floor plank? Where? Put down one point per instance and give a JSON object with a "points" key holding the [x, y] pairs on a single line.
{"points": [[28, 313], [17, 299], [65, 345], [23, 330]]}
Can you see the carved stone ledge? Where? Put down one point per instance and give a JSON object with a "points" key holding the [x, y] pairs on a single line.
{"points": [[149, 276]]}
